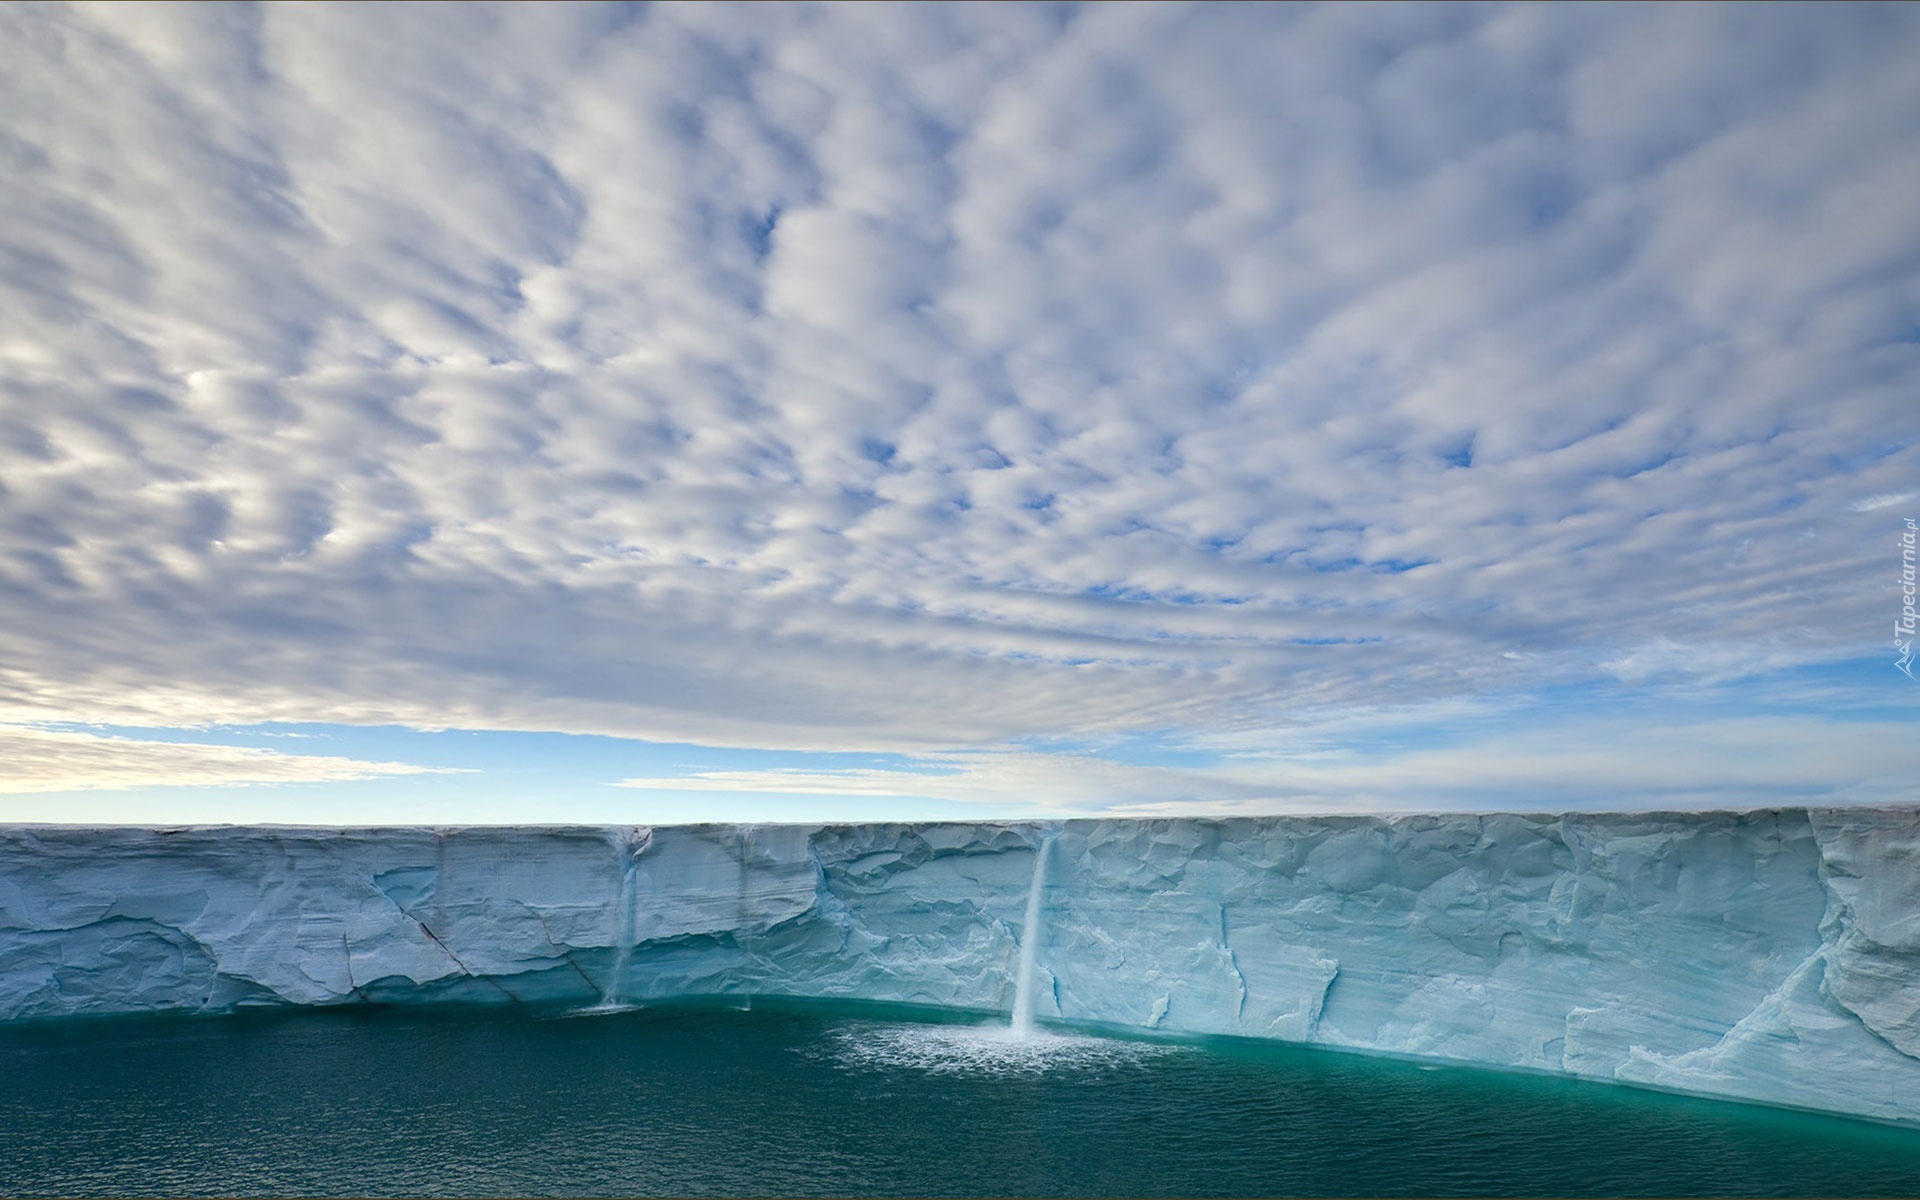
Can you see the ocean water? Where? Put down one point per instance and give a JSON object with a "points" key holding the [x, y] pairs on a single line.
{"points": [[813, 1100]]}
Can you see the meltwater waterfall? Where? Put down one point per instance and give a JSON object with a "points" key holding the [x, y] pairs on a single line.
{"points": [[1030, 943], [630, 849]]}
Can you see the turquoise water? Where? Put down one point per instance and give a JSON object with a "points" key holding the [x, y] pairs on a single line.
{"points": [[812, 1100]]}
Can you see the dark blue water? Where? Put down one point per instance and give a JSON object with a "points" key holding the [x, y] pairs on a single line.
{"points": [[814, 1101]]}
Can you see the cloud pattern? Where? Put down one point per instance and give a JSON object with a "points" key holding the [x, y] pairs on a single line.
{"points": [[40, 760], [931, 377]]}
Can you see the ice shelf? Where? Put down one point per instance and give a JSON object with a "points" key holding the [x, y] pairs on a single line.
{"points": [[1768, 955]]}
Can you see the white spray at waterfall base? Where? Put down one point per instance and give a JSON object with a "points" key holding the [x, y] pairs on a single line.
{"points": [[1018, 1047], [987, 1049], [1022, 1023]]}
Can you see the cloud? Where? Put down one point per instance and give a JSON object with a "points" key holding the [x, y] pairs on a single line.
{"points": [[1589, 763], [922, 378], [1608, 763], [34, 760], [1003, 781]]}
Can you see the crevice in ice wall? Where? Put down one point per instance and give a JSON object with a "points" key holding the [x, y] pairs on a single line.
{"points": [[1870, 933], [465, 970], [406, 888], [743, 920], [565, 952], [1233, 964]]}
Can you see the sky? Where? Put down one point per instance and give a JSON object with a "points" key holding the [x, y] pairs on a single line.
{"points": [[606, 413]]}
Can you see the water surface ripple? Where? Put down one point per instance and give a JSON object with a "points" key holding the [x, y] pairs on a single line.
{"points": [[818, 1101]]}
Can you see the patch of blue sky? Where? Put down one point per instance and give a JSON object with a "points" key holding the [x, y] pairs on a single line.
{"points": [[1333, 566], [1127, 594], [1153, 748], [1866, 688], [1855, 690]]}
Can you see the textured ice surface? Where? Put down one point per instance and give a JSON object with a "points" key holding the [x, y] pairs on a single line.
{"points": [[1768, 955]]}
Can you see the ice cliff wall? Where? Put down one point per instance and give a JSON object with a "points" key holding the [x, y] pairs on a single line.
{"points": [[1772, 955]]}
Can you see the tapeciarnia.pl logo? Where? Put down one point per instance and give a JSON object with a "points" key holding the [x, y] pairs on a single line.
{"points": [[1903, 628]]}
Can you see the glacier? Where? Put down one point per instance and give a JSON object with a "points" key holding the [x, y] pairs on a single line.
{"points": [[1770, 955]]}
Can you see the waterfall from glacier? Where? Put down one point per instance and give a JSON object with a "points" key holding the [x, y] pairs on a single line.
{"points": [[623, 945], [1030, 943]]}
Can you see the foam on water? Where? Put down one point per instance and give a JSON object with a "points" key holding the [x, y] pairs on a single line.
{"points": [[983, 1049], [602, 1009]]}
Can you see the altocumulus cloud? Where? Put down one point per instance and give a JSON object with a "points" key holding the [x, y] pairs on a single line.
{"points": [[59, 760], [1558, 765], [930, 377]]}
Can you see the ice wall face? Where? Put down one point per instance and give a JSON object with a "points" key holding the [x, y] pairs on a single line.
{"points": [[1772, 955]]}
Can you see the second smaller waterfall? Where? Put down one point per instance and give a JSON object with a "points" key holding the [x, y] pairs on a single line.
{"points": [[1022, 1023]]}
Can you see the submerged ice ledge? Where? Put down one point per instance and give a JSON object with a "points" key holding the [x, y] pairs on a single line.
{"points": [[1770, 956]]}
